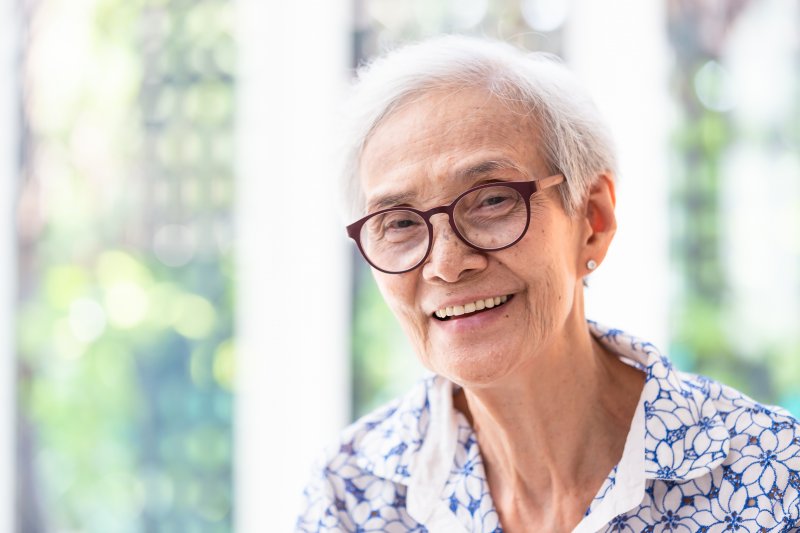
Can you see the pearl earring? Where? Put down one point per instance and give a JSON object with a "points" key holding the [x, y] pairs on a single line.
{"points": [[591, 264]]}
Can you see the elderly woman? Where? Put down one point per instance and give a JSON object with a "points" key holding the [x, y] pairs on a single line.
{"points": [[484, 182]]}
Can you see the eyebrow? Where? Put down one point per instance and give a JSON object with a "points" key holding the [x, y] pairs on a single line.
{"points": [[390, 200], [470, 173], [487, 167]]}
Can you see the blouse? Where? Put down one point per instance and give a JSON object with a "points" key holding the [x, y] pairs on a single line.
{"points": [[699, 456]]}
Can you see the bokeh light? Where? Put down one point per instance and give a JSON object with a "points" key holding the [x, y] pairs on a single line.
{"points": [[713, 85], [125, 246], [86, 319], [545, 15]]}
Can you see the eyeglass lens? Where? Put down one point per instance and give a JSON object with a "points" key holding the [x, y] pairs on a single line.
{"points": [[487, 218]]}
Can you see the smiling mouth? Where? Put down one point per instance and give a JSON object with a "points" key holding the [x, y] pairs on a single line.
{"points": [[457, 311]]}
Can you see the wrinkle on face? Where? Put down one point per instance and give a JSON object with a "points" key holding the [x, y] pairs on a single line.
{"points": [[422, 151], [472, 132]]}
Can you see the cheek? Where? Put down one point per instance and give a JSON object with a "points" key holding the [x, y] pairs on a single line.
{"points": [[396, 289], [549, 284], [550, 300]]}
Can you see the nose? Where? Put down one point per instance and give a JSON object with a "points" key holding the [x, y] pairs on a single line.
{"points": [[450, 259]]}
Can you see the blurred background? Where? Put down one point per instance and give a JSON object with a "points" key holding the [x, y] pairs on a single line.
{"points": [[183, 325]]}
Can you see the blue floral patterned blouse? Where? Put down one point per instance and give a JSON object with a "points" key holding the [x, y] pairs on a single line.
{"points": [[699, 456]]}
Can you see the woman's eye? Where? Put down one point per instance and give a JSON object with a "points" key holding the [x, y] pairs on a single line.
{"points": [[494, 200], [401, 223]]}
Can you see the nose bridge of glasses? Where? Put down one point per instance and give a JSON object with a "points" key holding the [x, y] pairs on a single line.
{"points": [[446, 224], [441, 210]]}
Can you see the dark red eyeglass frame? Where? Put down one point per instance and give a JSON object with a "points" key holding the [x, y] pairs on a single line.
{"points": [[525, 188]]}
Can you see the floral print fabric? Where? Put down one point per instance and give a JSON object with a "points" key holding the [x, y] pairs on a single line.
{"points": [[699, 456]]}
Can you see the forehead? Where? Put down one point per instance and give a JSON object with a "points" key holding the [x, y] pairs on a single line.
{"points": [[425, 147]]}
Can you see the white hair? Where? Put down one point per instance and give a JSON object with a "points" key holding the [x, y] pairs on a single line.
{"points": [[572, 137]]}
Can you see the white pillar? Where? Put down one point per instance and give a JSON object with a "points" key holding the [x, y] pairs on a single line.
{"points": [[619, 48], [9, 150], [293, 310]]}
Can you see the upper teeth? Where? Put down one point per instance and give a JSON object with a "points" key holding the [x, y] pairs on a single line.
{"points": [[478, 305]]}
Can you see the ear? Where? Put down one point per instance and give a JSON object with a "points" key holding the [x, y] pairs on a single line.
{"points": [[599, 222]]}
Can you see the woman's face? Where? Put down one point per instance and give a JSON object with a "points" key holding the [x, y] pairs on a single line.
{"points": [[425, 154]]}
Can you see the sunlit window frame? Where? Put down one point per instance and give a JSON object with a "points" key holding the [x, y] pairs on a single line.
{"points": [[293, 309]]}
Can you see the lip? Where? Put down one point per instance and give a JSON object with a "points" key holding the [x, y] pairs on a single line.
{"points": [[473, 322]]}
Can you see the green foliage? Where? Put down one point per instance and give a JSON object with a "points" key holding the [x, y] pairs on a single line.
{"points": [[707, 333], [142, 393], [384, 365], [125, 331]]}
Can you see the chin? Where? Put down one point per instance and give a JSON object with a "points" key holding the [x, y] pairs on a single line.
{"points": [[472, 367]]}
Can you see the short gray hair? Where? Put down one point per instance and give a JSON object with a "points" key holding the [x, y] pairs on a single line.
{"points": [[574, 139]]}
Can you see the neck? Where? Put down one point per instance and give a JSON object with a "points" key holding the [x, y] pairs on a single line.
{"points": [[551, 432]]}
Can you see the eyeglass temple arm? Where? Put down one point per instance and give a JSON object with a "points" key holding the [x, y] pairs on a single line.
{"points": [[549, 181]]}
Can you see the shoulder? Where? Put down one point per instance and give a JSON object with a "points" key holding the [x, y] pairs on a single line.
{"points": [[386, 439], [748, 422], [759, 479], [764, 452], [358, 481], [728, 462]]}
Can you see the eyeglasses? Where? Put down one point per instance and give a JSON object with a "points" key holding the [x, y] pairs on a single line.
{"points": [[487, 218]]}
